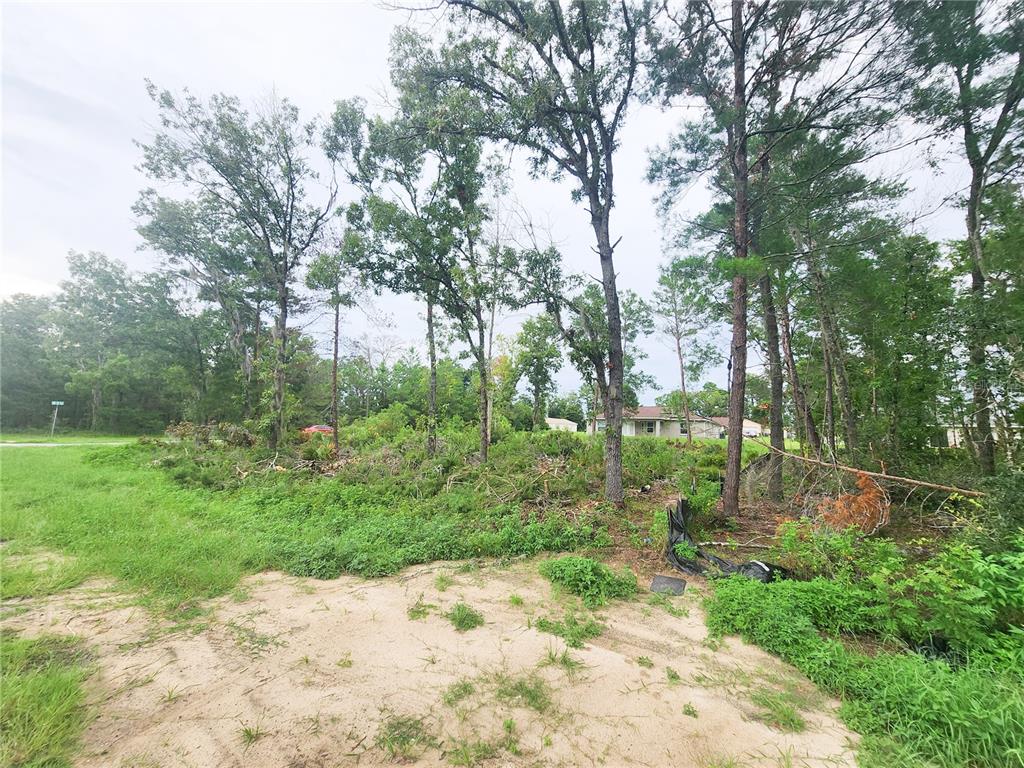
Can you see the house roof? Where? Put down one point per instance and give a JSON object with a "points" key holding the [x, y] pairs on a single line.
{"points": [[550, 420]]}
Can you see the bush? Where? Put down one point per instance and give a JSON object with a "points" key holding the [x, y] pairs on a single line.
{"points": [[595, 582], [961, 705]]}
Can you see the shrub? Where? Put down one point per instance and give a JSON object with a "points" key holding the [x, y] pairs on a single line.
{"points": [[595, 582], [464, 617]]}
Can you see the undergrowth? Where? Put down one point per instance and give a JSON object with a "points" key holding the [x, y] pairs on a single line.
{"points": [[183, 521], [947, 687], [594, 582]]}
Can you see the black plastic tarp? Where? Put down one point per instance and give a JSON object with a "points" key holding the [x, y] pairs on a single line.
{"points": [[705, 563]]}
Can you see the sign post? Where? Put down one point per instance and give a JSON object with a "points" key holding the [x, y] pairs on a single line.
{"points": [[56, 405]]}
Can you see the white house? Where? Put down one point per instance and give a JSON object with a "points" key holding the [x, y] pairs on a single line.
{"points": [[656, 421], [560, 425]]}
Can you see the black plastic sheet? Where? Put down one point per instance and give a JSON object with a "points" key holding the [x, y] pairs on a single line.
{"points": [[705, 563]]}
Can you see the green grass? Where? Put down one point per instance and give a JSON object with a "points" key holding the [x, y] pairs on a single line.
{"points": [[527, 691], [404, 737], [43, 436], [119, 516], [456, 692], [42, 706], [464, 617], [778, 710], [575, 629], [35, 578]]}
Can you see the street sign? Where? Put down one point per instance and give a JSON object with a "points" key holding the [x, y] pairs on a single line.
{"points": [[56, 402]]}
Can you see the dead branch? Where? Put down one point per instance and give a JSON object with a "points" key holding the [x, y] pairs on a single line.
{"points": [[869, 473]]}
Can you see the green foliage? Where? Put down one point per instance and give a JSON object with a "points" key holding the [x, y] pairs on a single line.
{"points": [[529, 691], [456, 692], [573, 628], [778, 710], [595, 582], [464, 617], [42, 709], [963, 708]]}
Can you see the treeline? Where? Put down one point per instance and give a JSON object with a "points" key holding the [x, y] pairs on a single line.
{"points": [[875, 339]]}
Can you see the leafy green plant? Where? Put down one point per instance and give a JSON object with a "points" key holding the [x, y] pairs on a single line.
{"points": [[689, 710], [464, 617], [456, 692], [595, 582], [778, 710], [528, 691], [645, 661]]}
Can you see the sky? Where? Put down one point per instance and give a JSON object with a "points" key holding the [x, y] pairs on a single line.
{"points": [[73, 103]]}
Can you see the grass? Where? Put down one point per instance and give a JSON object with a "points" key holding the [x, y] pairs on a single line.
{"points": [[471, 753], [645, 661], [672, 676], [42, 709], [419, 609], [117, 515], [31, 577], [663, 601], [778, 710], [689, 710], [564, 661], [442, 581], [43, 436], [464, 618], [405, 737], [456, 692], [572, 628], [527, 691], [250, 734]]}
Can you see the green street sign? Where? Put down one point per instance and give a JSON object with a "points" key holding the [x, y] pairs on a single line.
{"points": [[56, 402]]}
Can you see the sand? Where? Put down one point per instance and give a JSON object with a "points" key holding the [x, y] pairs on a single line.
{"points": [[304, 673]]}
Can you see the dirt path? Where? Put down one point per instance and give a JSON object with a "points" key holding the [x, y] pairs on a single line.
{"points": [[319, 671]]}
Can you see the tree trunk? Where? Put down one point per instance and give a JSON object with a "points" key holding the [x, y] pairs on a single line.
{"points": [[741, 233], [432, 388], [334, 379], [982, 394], [830, 340], [279, 423], [803, 410], [613, 489], [538, 407], [776, 427], [682, 385], [481, 364], [829, 416]]}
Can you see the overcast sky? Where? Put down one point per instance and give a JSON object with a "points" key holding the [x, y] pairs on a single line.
{"points": [[73, 101]]}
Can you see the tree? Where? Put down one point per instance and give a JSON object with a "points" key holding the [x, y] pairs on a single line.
{"points": [[968, 83], [28, 338], [568, 406], [557, 81], [741, 62], [329, 273], [254, 171], [537, 359], [683, 308]]}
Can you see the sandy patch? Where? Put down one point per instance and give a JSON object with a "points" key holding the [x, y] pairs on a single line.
{"points": [[315, 670]]}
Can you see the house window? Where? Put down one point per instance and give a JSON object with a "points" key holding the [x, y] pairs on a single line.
{"points": [[645, 427], [682, 428]]}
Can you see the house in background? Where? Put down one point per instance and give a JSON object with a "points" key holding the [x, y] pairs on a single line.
{"points": [[561, 425], [655, 421]]}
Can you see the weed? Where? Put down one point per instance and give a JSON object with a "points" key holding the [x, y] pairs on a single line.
{"points": [[471, 753], [464, 618], [456, 692], [689, 710], [645, 661], [420, 609], [404, 737], [442, 581], [664, 602], [572, 628], [563, 660], [42, 709], [250, 734], [516, 601], [345, 661], [529, 691], [672, 675], [241, 595], [595, 582], [778, 711], [510, 741], [171, 695]]}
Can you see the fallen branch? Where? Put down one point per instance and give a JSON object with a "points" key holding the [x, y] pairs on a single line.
{"points": [[869, 473]]}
